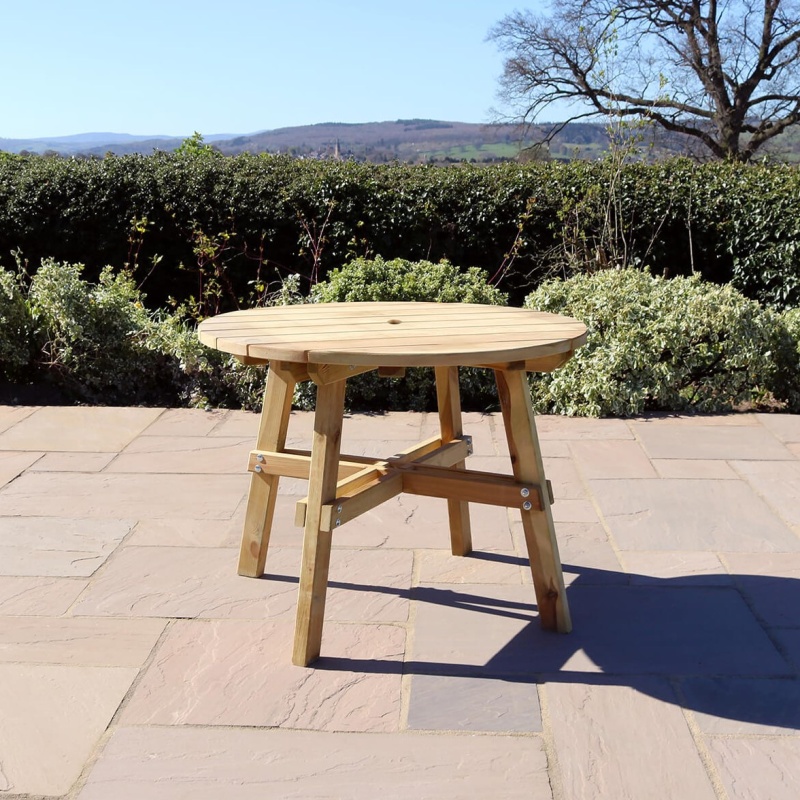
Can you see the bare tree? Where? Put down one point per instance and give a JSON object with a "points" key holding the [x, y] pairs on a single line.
{"points": [[726, 73]]}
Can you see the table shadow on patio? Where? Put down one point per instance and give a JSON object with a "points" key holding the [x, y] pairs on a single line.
{"points": [[705, 647]]}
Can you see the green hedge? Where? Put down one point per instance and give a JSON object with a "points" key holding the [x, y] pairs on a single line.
{"points": [[226, 229], [16, 339], [654, 344], [680, 345]]}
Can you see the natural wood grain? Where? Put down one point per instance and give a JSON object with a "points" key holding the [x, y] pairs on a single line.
{"points": [[431, 448], [294, 465], [537, 524], [448, 398], [393, 334], [366, 491], [471, 486], [328, 343], [357, 500], [392, 372], [447, 455], [325, 450], [543, 364], [250, 361], [264, 487], [323, 374]]}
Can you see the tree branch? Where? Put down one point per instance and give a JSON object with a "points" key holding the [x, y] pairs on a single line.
{"points": [[610, 54]]}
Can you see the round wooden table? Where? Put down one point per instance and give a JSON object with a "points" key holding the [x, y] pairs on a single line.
{"points": [[330, 342]]}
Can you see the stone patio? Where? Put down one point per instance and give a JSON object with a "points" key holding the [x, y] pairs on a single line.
{"points": [[135, 663]]}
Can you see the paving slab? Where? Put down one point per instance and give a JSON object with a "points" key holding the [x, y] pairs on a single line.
{"points": [[736, 707], [73, 462], [577, 428], [778, 483], [186, 422], [184, 454], [203, 582], [754, 769], [237, 672], [78, 428], [448, 703], [682, 573], [622, 742], [567, 509], [664, 439], [788, 640], [679, 568], [612, 459], [565, 478], [206, 764], [56, 546], [40, 597], [182, 582], [475, 629], [441, 566], [486, 430], [732, 420], [691, 515], [670, 630], [585, 551], [186, 533], [53, 717], [619, 630], [240, 424], [369, 586], [705, 469], [123, 496], [11, 415], [392, 426], [13, 464], [244, 424], [785, 427], [771, 583], [555, 448], [89, 642]]}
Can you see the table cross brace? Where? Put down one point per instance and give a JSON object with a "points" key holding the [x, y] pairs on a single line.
{"points": [[425, 469]]}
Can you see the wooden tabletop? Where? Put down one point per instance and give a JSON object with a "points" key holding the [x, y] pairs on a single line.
{"points": [[393, 334]]}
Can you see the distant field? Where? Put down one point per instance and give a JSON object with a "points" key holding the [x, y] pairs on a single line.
{"points": [[409, 140], [477, 152]]}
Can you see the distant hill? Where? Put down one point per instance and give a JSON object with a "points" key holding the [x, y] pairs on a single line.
{"points": [[90, 144], [98, 144], [410, 140], [405, 140]]}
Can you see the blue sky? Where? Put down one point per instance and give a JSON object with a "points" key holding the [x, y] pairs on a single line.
{"points": [[238, 66]]}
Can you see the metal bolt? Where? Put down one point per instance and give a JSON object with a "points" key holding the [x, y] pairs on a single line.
{"points": [[527, 505], [338, 523], [338, 509], [257, 468], [524, 491], [259, 457]]}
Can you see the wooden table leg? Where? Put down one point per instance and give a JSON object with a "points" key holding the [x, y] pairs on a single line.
{"points": [[448, 397], [322, 480], [526, 461], [264, 488]]}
